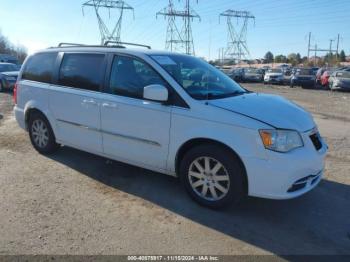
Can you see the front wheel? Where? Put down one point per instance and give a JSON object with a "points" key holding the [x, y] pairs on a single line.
{"points": [[213, 176], [41, 134]]}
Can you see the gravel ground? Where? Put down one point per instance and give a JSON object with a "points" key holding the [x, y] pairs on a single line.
{"points": [[77, 203]]}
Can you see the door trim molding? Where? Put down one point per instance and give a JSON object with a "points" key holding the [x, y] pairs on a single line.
{"points": [[150, 142]]}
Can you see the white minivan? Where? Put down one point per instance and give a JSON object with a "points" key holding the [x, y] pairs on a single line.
{"points": [[171, 113]]}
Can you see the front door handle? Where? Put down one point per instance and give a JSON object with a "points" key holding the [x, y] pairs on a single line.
{"points": [[90, 102], [109, 105]]}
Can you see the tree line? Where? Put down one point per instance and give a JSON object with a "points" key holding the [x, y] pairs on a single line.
{"points": [[296, 59], [6, 47]]}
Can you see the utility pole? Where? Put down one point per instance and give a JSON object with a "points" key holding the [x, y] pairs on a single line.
{"points": [[316, 49], [315, 54], [338, 46], [179, 40], [237, 39], [109, 5], [308, 47], [330, 46]]}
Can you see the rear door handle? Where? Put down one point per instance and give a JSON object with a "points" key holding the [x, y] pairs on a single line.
{"points": [[90, 102], [109, 105]]}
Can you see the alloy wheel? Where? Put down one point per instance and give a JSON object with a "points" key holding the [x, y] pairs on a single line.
{"points": [[209, 178], [40, 133]]}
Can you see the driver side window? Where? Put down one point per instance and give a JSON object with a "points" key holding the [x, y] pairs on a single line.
{"points": [[129, 76]]}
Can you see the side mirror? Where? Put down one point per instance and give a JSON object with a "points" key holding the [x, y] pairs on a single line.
{"points": [[156, 93]]}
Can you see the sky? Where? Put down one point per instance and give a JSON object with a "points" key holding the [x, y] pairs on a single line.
{"points": [[281, 26]]}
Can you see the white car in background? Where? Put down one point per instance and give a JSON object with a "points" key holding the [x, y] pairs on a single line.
{"points": [[135, 106], [274, 76]]}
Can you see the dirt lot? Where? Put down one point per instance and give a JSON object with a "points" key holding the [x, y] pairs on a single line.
{"points": [[77, 203]]}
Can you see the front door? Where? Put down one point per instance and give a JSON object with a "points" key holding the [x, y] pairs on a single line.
{"points": [[133, 129]]}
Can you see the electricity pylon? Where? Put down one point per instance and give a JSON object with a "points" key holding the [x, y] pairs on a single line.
{"points": [[237, 48], [106, 33], [173, 37], [181, 41]]}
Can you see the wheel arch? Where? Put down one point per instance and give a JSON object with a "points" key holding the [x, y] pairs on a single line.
{"points": [[30, 110], [200, 141]]}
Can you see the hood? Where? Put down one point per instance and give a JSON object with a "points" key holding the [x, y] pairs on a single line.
{"points": [[273, 74], [253, 74], [269, 109], [14, 73], [308, 76]]}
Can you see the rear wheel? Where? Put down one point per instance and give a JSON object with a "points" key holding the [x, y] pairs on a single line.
{"points": [[41, 134], [213, 176]]}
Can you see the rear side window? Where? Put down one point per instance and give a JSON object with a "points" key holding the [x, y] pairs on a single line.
{"points": [[40, 67], [83, 71]]}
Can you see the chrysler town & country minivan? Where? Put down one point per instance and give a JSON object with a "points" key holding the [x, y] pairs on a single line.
{"points": [[136, 106]]}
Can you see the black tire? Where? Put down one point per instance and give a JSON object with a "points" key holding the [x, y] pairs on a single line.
{"points": [[232, 167], [1, 88], [43, 148]]}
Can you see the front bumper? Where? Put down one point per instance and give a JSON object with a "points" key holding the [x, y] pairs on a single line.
{"points": [[286, 175], [252, 79], [340, 86], [274, 80], [300, 82]]}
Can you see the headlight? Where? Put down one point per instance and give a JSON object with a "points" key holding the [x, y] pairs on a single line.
{"points": [[281, 140]]}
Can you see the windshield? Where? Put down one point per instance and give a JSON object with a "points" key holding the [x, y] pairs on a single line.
{"points": [[304, 72], [7, 68], [253, 71], [275, 70], [198, 78]]}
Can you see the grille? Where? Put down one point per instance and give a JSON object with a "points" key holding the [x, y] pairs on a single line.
{"points": [[315, 138]]}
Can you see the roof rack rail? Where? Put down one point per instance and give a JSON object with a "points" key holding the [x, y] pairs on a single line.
{"points": [[124, 43], [69, 44]]}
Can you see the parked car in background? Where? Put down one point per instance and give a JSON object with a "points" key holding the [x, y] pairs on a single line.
{"points": [[6, 58], [274, 76], [253, 75], [314, 70], [226, 69], [287, 74], [324, 78], [236, 74], [303, 77], [8, 76], [339, 80], [133, 106], [319, 74]]}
